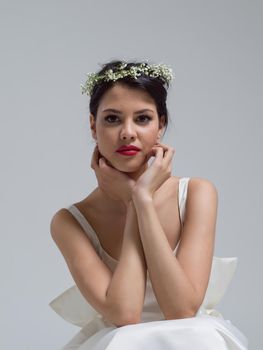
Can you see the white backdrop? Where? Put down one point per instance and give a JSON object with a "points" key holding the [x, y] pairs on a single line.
{"points": [[215, 103]]}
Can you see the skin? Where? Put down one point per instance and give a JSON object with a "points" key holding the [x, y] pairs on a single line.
{"points": [[127, 128], [128, 187]]}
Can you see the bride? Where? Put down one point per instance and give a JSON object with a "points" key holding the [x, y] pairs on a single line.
{"points": [[140, 253]]}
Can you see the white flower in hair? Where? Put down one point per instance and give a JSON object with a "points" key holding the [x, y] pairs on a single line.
{"points": [[153, 70]]}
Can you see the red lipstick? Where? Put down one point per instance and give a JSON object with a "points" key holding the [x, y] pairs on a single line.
{"points": [[127, 147], [128, 150]]}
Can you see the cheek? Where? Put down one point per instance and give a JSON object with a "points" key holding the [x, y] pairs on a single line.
{"points": [[151, 137], [105, 137], [106, 144]]}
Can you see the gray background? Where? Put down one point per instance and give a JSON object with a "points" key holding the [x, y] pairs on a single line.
{"points": [[215, 50]]}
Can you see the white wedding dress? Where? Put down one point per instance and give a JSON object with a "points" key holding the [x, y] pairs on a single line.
{"points": [[208, 330]]}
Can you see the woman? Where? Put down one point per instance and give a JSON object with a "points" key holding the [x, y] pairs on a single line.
{"points": [[140, 254]]}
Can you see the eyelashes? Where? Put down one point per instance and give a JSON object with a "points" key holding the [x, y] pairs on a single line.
{"points": [[145, 118]]}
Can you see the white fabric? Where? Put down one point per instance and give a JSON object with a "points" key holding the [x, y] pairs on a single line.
{"points": [[207, 330]]}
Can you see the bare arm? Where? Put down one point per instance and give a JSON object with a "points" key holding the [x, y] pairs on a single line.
{"points": [[127, 287], [180, 282], [118, 296]]}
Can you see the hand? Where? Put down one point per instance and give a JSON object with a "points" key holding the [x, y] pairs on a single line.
{"points": [[113, 182], [157, 173]]}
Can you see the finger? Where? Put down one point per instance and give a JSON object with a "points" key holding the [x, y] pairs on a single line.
{"points": [[151, 153], [92, 163], [95, 159], [165, 147], [168, 156], [102, 162], [159, 152], [162, 145]]}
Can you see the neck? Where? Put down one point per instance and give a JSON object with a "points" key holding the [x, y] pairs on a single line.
{"points": [[119, 206]]}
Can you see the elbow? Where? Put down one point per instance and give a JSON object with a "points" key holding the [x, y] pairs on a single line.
{"points": [[185, 313], [179, 315], [120, 315], [127, 318], [190, 312], [123, 318]]}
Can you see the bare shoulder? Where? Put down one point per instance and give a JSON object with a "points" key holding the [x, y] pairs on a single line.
{"points": [[202, 187], [60, 216], [62, 221], [202, 199], [196, 184]]}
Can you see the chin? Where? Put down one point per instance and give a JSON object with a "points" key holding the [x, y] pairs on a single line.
{"points": [[126, 168]]}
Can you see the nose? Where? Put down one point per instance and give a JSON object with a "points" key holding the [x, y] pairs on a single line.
{"points": [[128, 132]]}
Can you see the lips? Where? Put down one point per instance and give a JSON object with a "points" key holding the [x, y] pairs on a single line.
{"points": [[127, 148]]}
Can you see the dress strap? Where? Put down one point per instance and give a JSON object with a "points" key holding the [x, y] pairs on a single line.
{"points": [[182, 195], [86, 227]]}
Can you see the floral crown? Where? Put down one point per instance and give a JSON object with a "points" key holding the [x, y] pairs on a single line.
{"points": [[153, 70]]}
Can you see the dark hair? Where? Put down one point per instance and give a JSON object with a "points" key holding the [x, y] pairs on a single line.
{"points": [[155, 87]]}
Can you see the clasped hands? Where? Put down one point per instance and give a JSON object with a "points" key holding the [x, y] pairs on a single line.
{"points": [[119, 186]]}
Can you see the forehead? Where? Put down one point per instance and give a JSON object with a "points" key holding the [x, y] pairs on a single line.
{"points": [[123, 95]]}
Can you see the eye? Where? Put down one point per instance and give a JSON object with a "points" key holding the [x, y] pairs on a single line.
{"points": [[110, 116], [142, 118], [145, 117]]}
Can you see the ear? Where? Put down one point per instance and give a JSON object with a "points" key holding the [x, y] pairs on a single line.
{"points": [[93, 126], [161, 126]]}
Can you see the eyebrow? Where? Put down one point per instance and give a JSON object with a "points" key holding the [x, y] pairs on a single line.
{"points": [[119, 112]]}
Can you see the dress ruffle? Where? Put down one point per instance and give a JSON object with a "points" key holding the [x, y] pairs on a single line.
{"points": [[208, 327]]}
